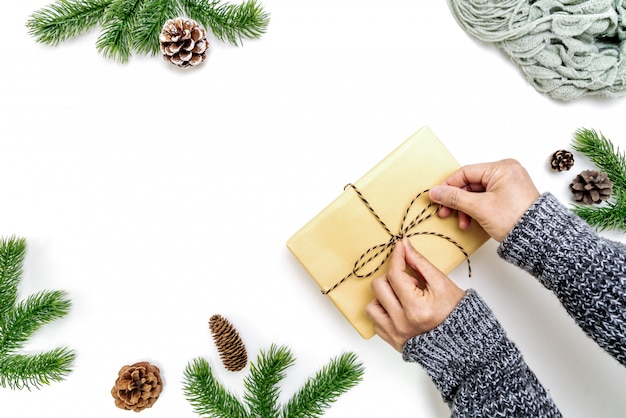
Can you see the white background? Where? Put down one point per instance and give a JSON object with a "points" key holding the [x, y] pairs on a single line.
{"points": [[157, 198]]}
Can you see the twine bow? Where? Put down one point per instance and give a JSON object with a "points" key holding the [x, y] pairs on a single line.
{"points": [[383, 250]]}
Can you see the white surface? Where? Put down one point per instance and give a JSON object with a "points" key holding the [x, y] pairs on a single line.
{"points": [[157, 198]]}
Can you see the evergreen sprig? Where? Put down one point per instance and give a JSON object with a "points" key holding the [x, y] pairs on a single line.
{"points": [[20, 320], [229, 22], [612, 160], [209, 398], [129, 26]]}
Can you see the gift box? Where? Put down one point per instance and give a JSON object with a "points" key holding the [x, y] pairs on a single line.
{"points": [[348, 243]]}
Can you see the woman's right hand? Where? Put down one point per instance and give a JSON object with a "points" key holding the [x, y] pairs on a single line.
{"points": [[495, 195]]}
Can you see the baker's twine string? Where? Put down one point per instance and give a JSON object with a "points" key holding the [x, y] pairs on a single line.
{"points": [[384, 249]]}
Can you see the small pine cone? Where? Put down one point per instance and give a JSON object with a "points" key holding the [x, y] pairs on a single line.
{"points": [[562, 160], [591, 186], [183, 42], [137, 387], [229, 344]]}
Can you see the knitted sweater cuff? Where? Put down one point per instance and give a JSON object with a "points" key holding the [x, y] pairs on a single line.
{"points": [[545, 228], [469, 340]]}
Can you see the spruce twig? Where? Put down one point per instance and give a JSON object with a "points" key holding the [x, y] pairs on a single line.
{"points": [[207, 396], [118, 24], [229, 22], [261, 387], [19, 321], [336, 378], [65, 19], [612, 160], [150, 20]]}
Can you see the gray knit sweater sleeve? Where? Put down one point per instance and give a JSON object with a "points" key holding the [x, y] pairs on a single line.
{"points": [[477, 369], [586, 272]]}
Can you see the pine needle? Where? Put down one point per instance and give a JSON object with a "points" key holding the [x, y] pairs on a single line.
{"points": [[612, 160], [65, 19]]}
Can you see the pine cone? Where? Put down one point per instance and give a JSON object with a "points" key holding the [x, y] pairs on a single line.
{"points": [[229, 344], [591, 186], [137, 387], [562, 160], [183, 42]]}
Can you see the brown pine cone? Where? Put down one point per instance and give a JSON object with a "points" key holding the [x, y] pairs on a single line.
{"points": [[562, 160], [230, 346], [183, 42], [137, 387], [591, 186]]}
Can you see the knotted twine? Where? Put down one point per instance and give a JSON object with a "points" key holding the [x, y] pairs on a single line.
{"points": [[383, 251], [566, 48]]}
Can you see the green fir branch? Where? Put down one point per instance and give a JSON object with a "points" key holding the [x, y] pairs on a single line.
{"points": [[118, 25], [612, 160], [261, 387], [150, 22], [336, 378], [29, 315], [33, 371], [229, 22], [65, 19], [207, 396], [262, 390], [20, 320], [12, 252]]}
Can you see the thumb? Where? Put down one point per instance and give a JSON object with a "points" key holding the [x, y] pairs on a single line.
{"points": [[455, 198]]}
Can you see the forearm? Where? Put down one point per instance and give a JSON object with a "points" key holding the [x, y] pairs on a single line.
{"points": [[477, 369], [586, 272]]}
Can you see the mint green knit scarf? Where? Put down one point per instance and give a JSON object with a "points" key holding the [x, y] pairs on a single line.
{"points": [[567, 48]]}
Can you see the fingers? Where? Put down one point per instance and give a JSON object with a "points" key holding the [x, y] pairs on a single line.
{"points": [[403, 285], [431, 274], [451, 197], [383, 324], [474, 175]]}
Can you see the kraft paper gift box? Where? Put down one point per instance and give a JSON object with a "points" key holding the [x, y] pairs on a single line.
{"points": [[346, 239]]}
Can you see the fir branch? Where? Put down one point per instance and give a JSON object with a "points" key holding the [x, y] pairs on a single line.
{"points": [[65, 19], [261, 384], [28, 316], [150, 21], [208, 396], [118, 25], [18, 321], [229, 22], [610, 216], [12, 252], [33, 371], [210, 399], [612, 160], [334, 379]]}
